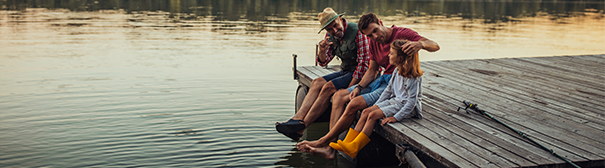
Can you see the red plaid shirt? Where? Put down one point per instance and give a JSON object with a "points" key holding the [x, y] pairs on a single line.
{"points": [[363, 53]]}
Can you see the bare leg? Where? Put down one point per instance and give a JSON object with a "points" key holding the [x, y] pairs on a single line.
{"points": [[352, 148], [339, 100], [374, 116], [343, 123], [310, 98], [364, 117], [321, 104]]}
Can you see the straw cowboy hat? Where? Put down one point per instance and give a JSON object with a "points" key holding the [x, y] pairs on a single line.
{"points": [[326, 17]]}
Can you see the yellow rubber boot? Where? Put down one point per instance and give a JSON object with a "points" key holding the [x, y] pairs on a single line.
{"points": [[351, 135], [354, 146], [336, 146]]}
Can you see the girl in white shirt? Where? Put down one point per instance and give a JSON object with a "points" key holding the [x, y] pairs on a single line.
{"points": [[401, 99]]}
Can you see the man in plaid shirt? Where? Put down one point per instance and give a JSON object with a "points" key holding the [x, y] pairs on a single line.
{"points": [[345, 41], [368, 90]]}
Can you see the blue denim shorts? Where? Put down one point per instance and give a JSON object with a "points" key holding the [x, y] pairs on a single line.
{"points": [[372, 92], [340, 79]]}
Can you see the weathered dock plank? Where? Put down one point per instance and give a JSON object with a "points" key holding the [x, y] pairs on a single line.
{"points": [[518, 102], [570, 64], [508, 118], [537, 84], [558, 112], [306, 74], [484, 130], [557, 101], [552, 72], [400, 133], [497, 135], [470, 145]]}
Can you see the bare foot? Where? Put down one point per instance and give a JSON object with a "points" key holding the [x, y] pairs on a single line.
{"points": [[303, 148], [325, 152], [316, 144]]}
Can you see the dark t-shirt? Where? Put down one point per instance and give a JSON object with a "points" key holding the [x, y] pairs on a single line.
{"points": [[380, 52]]}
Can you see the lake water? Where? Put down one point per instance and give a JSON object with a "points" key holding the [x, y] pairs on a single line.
{"points": [[200, 83]]}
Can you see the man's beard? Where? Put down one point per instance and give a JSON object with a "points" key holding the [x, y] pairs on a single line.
{"points": [[339, 34], [380, 40]]}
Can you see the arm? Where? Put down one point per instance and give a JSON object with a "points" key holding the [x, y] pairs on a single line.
{"points": [[413, 47], [429, 45], [363, 57], [324, 55], [412, 100], [368, 77], [353, 82]]}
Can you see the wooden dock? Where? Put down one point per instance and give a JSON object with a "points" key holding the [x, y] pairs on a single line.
{"points": [[557, 101]]}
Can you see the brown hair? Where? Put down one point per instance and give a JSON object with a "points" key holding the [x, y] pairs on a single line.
{"points": [[409, 66], [365, 20]]}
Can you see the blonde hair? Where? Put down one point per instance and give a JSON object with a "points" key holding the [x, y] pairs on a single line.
{"points": [[409, 66]]}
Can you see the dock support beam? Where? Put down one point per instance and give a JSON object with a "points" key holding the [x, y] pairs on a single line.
{"points": [[413, 161], [408, 156]]}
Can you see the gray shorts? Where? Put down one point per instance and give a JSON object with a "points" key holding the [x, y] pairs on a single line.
{"points": [[390, 107], [371, 96]]}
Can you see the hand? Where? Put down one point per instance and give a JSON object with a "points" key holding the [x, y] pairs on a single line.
{"points": [[411, 47], [354, 93], [388, 120], [323, 45]]}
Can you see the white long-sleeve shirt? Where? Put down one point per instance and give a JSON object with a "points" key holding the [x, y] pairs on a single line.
{"points": [[407, 91]]}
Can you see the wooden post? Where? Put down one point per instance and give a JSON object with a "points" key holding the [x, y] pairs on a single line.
{"points": [[294, 68], [316, 47]]}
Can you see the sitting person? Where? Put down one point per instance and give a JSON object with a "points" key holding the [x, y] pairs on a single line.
{"points": [[345, 41], [400, 99]]}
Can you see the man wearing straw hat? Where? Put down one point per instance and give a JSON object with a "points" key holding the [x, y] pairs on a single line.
{"points": [[368, 90], [352, 47]]}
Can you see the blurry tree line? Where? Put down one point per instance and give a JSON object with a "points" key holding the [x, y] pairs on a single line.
{"points": [[490, 10]]}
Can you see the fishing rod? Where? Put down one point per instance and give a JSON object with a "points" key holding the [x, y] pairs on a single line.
{"points": [[475, 108]]}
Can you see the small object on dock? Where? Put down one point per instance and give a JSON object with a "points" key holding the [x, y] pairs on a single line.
{"points": [[475, 108], [465, 109]]}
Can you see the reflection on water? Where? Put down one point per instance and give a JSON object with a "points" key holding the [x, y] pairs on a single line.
{"points": [[157, 83], [466, 29]]}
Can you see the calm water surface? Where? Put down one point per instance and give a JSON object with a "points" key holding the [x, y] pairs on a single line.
{"points": [[201, 83]]}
